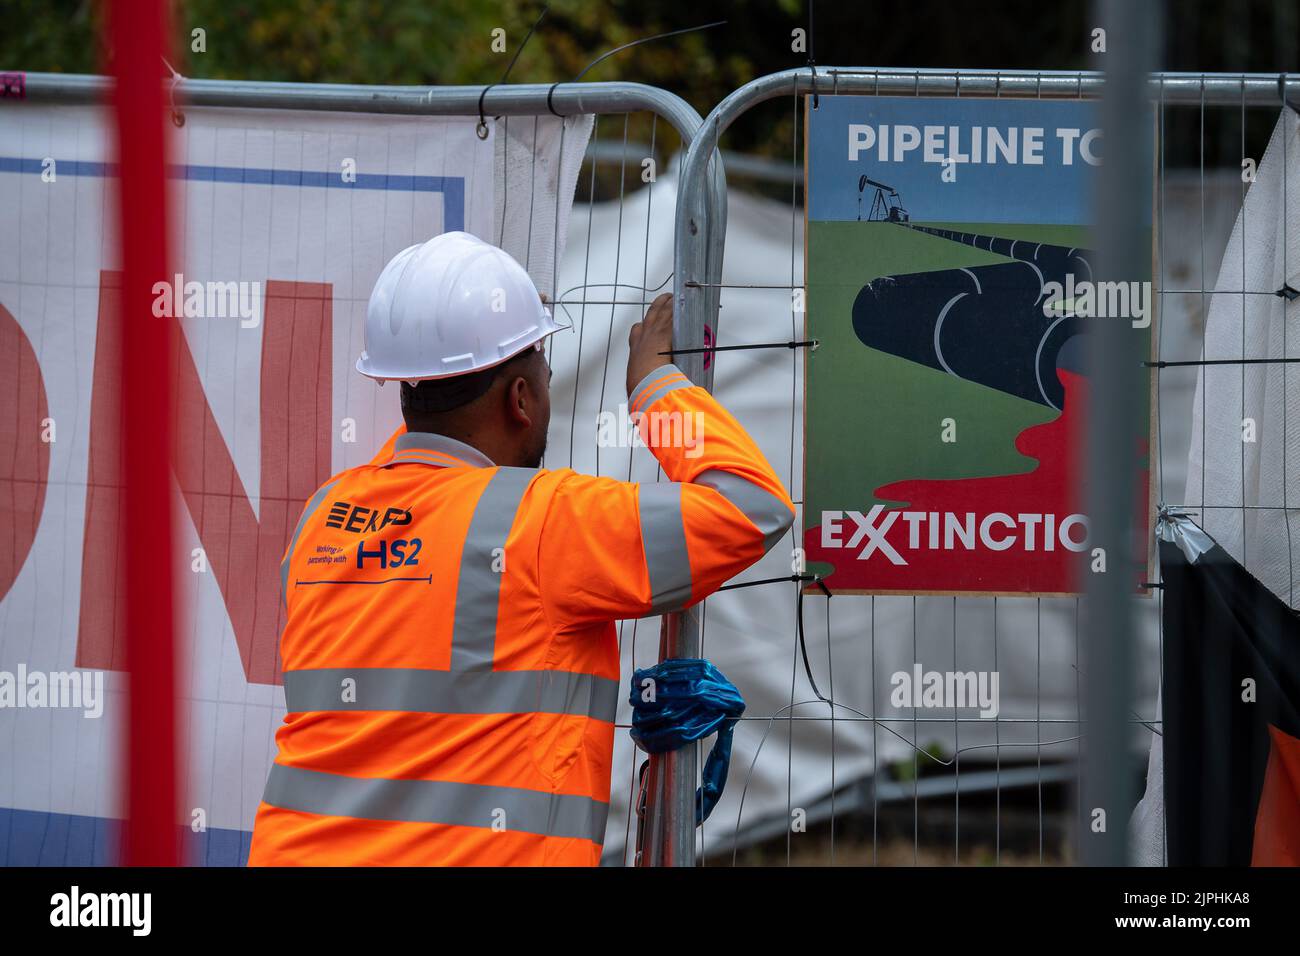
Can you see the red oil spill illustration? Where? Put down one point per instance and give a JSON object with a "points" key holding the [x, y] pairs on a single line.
{"points": [[1052, 488]]}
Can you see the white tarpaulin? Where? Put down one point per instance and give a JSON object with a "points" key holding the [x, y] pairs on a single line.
{"points": [[1240, 454], [533, 154], [1243, 480], [299, 212]]}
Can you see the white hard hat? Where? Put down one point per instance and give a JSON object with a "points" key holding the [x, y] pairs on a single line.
{"points": [[452, 305]]}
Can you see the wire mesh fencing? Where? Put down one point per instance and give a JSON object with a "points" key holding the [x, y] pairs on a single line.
{"points": [[860, 780]]}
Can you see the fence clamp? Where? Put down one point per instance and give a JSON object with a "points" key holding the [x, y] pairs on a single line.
{"points": [[178, 117], [1281, 92]]}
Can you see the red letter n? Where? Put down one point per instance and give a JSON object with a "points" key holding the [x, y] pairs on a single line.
{"points": [[243, 549]]}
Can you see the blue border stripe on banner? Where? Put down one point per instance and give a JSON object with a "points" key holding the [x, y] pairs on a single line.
{"points": [[451, 187], [34, 838]]}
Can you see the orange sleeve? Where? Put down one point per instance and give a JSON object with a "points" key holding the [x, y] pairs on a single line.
{"points": [[611, 550]]}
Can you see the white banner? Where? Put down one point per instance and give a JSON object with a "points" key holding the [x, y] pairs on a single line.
{"points": [[286, 220]]}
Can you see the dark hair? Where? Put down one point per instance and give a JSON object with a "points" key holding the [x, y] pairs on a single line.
{"points": [[447, 394]]}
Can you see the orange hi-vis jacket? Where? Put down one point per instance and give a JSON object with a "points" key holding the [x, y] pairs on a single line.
{"points": [[451, 670]]}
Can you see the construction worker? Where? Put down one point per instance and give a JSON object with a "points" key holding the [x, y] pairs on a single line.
{"points": [[451, 671]]}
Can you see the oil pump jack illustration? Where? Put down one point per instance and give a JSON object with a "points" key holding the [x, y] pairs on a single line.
{"points": [[885, 204]]}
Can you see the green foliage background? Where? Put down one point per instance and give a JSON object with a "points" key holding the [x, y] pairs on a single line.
{"points": [[446, 42]]}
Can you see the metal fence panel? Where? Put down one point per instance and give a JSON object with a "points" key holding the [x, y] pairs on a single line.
{"points": [[1056, 825]]}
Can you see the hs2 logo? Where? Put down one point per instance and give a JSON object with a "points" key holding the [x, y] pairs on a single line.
{"points": [[390, 554]]}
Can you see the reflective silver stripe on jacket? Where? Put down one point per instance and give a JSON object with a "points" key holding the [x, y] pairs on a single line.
{"points": [[663, 530], [663, 536], [436, 801], [429, 441], [642, 389], [771, 516], [446, 692], [482, 565], [311, 506]]}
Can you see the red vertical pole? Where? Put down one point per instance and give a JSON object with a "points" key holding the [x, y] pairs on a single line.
{"points": [[137, 37]]}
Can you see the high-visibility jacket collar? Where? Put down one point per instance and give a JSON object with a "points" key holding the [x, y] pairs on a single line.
{"points": [[428, 448]]}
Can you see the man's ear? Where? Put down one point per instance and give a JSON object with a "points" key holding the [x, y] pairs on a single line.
{"points": [[517, 398]]}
